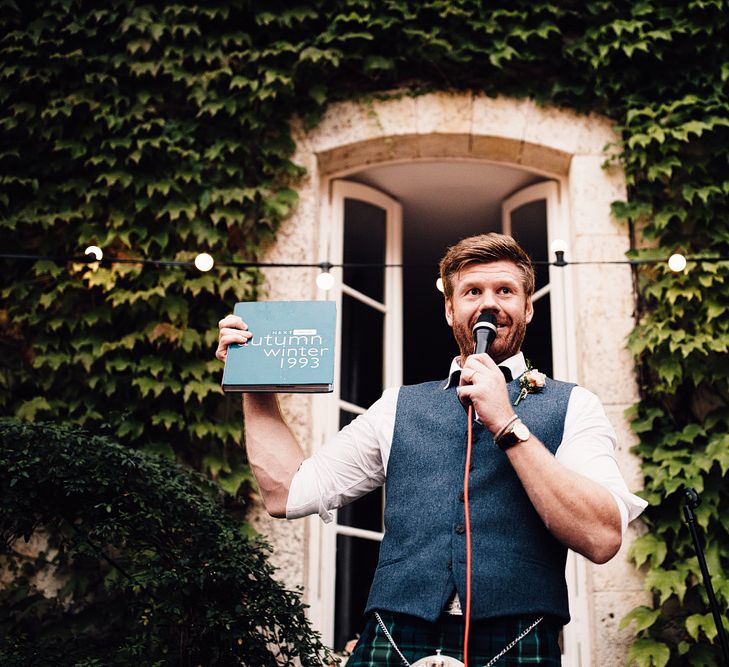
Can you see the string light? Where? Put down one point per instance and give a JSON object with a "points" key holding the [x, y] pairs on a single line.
{"points": [[94, 250], [93, 256], [325, 280], [677, 262], [439, 285], [204, 262]]}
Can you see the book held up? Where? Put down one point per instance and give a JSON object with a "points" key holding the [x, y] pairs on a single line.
{"points": [[292, 349]]}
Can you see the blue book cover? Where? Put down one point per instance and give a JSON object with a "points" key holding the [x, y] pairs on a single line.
{"points": [[292, 349]]}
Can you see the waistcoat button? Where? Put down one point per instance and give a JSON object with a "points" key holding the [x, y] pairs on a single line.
{"points": [[460, 529]]}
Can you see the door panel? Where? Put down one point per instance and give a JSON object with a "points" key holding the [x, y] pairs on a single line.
{"points": [[366, 233], [532, 217]]}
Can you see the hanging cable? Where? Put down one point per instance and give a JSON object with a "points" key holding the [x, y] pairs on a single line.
{"points": [[466, 509], [91, 258]]}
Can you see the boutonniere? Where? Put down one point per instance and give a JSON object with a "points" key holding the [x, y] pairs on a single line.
{"points": [[530, 383]]}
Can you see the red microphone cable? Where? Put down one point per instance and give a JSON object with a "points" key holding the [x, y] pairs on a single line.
{"points": [[484, 332], [467, 610]]}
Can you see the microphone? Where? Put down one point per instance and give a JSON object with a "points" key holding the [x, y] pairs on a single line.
{"points": [[484, 332]]}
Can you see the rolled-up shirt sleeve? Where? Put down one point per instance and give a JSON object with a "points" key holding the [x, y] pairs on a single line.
{"points": [[349, 465], [354, 461], [588, 447]]}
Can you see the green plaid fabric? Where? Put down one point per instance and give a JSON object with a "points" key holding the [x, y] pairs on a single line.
{"points": [[417, 638]]}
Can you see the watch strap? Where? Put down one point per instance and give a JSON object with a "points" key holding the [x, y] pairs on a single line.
{"points": [[516, 431]]}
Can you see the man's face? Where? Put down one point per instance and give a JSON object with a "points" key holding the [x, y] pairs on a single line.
{"points": [[496, 287]]}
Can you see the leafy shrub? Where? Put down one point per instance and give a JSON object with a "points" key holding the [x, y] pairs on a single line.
{"points": [[144, 566]]}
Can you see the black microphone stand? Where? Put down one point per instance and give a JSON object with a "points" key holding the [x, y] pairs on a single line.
{"points": [[692, 502]]}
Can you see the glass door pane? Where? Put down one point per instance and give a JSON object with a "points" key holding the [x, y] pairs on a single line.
{"points": [[362, 353], [528, 223], [525, 216], [358, 558]]}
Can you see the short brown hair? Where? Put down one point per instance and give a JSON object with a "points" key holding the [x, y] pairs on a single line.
{"points": [[482, 249]]}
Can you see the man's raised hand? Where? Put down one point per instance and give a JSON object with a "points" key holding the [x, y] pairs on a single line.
{"points": [[233, 330]]}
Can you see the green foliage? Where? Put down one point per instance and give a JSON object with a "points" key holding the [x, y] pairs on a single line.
{"points": [[144, 566], [674, 135], [158, 130], [121, 127]]}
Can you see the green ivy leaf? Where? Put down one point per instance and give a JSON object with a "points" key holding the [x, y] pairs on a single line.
{"points": [[697, 624], [648, 546], [648, 653], [644, 618], [29, 409], [718, 450], [645, 423], [375, 63], [666, 583]]}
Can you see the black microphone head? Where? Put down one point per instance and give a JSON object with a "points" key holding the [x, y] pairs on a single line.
{"points": [[484, 332]]}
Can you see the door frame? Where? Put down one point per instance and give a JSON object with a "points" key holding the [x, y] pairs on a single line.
{"points": [[321, 568], [576, 644], [322, 538]]}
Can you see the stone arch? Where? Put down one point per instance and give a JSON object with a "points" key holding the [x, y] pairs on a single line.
{"points": [[456, 125]]}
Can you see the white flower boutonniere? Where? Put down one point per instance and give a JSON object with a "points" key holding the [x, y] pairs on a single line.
{"points": [[531, 382]]}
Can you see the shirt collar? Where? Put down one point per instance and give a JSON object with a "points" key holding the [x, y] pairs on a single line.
{"points": [[516, 364]]}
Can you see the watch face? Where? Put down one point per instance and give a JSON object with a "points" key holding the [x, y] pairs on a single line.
{"points": [[521, 431], [518, 432]]}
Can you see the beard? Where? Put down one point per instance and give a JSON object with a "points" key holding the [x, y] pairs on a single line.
{"points": [[506, 344]]}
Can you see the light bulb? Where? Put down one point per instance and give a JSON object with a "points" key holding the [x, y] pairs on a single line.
{"points": [[204, 262], [559, 245], [325, 281], [677, 262], [439, 285], [95, 251]]}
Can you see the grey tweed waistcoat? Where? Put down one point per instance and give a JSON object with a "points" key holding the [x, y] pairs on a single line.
{"points": [[517, 565]]}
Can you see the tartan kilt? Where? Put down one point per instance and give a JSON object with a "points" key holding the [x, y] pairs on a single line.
{"points": [[417, 639]]}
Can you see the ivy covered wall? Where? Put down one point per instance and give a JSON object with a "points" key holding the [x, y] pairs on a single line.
{"points": [[159, 130]]}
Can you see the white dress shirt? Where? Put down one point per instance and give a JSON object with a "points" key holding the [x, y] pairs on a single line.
{"points": [[354, 461]]}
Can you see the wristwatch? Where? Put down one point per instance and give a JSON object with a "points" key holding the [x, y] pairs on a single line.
{"points": [[516, 432]]}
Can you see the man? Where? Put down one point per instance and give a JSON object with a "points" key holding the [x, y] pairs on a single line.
{"points": [[542, 479]]}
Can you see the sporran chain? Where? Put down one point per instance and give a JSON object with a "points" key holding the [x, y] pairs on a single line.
{"points": [[445, 661]]}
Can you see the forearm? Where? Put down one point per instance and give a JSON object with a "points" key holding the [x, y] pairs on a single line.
{"points": [[273, 451], [579, 512]]}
